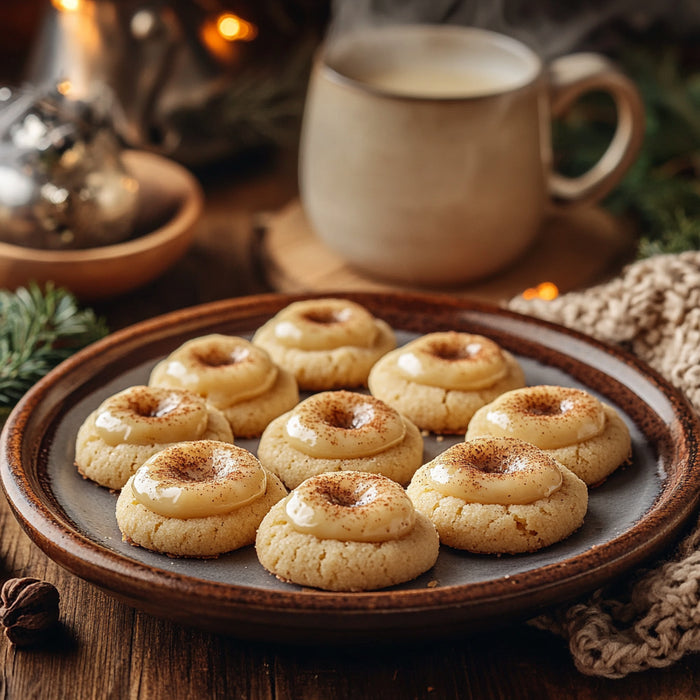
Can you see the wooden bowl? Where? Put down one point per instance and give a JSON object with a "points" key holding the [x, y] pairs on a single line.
{"points": [[170, 202]]}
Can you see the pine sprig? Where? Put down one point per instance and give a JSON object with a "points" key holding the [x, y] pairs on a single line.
{"points": [[38, 330], [661, 192]]}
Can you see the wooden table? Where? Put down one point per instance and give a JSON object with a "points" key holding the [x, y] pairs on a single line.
{"points": [[109, 650]]}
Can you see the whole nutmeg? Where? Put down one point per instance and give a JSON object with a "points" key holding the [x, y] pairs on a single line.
{"points": [[29, 610]]}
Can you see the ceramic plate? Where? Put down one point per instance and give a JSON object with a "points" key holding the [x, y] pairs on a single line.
{"points": [[632, 516]]}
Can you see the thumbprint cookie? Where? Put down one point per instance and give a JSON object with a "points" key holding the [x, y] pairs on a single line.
{"points": [[326, 343], [341, 431], [197, 499], [346, 531], [573, 426], [234, 375], [130, 426], [439, 380], [499, 496]]}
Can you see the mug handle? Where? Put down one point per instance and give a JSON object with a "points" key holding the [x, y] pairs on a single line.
{"points": [[572, 76]]}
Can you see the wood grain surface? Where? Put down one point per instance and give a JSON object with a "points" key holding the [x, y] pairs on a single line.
{"points": [[108, 650], [575, 248]]}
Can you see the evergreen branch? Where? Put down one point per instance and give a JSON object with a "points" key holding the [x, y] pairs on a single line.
{"points": [[661, 192], [38, 330]]}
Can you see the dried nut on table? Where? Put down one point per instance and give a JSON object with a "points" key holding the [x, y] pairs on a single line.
{"points": [[441, 379], [573, 426], [341, 431], [326, 343], [197, 499], [346, 531], [129, 427], [499, 496], [240, 379], [29, 610]]}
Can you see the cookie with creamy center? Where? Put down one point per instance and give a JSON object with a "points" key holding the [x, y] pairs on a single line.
{"points": [[240, 379], [326, 343], [574, 427], [499, 496], [130, 426], [197, 499], [346, 531], [341, 431], [441, 379]]}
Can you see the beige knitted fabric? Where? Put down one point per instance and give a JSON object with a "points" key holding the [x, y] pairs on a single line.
{"points": [[652, 309]]}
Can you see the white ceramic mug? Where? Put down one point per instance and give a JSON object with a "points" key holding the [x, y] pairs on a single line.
{"points": [[426, 150]]}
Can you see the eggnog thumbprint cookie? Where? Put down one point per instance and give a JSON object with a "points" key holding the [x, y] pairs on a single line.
{"points": [[571, 425], [197, 499], [499, 496], [441, 379], [346, 531], [341, 431], [130, 426], [234, 375], [326, 343]]}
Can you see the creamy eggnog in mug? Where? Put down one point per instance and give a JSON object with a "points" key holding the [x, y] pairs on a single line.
{"points": [[437, 81], [426, 152]]}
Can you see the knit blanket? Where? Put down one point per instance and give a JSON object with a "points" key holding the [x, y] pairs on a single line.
{"points": [[652, 309]]}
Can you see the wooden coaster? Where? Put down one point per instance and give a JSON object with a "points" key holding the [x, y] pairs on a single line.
{"points": [[575, 249]]}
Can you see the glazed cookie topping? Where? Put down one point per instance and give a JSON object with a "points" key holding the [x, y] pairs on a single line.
{"points": [[324, 324], [224, 369], [549, 416], [343, 424], [142, 415], [199, 479], [351, 506], [505, 471], [452, 360]]}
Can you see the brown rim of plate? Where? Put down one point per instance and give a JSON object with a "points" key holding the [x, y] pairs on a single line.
{"points": [[671, 424]]}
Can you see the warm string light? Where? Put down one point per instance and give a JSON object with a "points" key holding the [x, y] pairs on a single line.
{"points": [[67, 5], [229, 27], [222, 34], [544, 290], [233, 28]]}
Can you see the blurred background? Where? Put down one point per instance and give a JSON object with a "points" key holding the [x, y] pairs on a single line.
{"points": [[218, 86], [208, 81], [194, 80]]}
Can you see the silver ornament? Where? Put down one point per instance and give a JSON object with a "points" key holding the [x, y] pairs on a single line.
{"points": [[62, 181]]}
